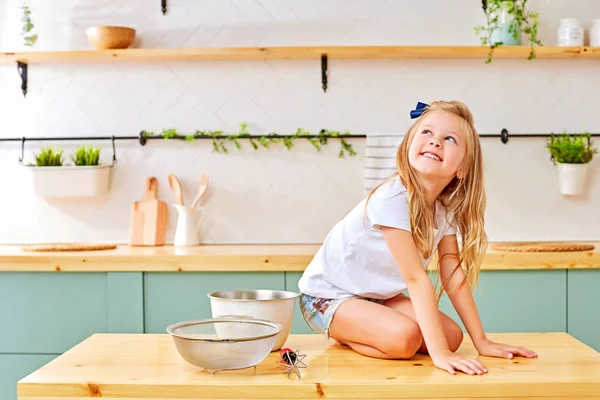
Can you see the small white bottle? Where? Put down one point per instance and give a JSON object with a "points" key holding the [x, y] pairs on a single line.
{"points": [[595, 33], [570, 32]]}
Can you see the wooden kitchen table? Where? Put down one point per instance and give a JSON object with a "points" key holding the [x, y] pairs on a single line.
{"points": [[147, 366]]}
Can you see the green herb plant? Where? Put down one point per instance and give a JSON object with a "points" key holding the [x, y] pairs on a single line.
{"points": [[219, 139], [523, 21], [49, 157], [85, 155], [29, 38], [571, 149]]}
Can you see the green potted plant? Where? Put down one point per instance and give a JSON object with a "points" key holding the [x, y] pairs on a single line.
{"points": [[506, 21], [572, 154], [86, 177]]}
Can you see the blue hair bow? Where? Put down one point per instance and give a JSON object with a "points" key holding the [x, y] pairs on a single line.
{"points": [[419, 109]]}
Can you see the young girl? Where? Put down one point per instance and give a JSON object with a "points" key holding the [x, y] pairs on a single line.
{"points": [[352, 289]]}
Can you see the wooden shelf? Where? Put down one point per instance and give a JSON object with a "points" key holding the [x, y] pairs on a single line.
{"points": [[24, 59], [299, 52], [245, 257]]}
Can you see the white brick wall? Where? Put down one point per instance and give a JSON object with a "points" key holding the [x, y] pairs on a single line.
{"points": [[276, 195]]}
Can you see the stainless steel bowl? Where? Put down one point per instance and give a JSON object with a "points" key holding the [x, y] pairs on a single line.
{"points": [[224, 343], [248, 295], [271, 305]]}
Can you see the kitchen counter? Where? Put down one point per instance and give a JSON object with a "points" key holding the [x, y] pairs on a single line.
{"points": [[246, 257], [148, 367]]}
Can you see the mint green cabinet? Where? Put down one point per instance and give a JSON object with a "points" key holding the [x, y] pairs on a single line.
{"points": [[181, 296], [291, 283], [583, 299], [52, 312], [15, 367], [45, 314], [519, 301]]}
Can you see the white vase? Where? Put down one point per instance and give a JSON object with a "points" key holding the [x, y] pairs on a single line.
{"points": [[188, 225], [70, 180], [571, 178]]}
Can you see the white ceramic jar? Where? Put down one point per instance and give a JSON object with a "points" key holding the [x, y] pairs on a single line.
{"points": [[595, 33], [570, 32]]}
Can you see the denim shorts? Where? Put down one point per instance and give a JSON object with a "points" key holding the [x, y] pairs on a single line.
{"points": [[318, 312]]}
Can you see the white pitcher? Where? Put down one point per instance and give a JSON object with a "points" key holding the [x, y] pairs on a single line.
{"points": [[188, 225]]}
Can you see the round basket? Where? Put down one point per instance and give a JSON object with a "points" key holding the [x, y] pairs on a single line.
{"points": [[543, 247], [68, 247]]}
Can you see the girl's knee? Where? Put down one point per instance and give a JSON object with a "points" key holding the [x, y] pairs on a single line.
{"points": [[402, 341], [455, 336]]}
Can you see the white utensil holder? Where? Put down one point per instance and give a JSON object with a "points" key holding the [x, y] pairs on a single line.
{"points": [[187, 231]]}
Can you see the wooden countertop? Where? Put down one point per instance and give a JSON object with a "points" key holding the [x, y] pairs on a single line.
{"points": [[246, 257], [148, 366]]}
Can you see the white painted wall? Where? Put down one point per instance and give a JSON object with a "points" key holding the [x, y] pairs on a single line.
{"points": [[274, 195]]}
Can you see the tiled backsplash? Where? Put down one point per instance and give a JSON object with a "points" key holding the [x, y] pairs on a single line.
{"points": [[274, 195]]}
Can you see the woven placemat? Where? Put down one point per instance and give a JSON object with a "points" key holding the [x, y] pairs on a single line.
{"points": [[543, 247], [68, 247]]}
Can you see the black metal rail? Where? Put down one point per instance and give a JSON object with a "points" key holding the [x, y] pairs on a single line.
{"points": [[142, 139]]}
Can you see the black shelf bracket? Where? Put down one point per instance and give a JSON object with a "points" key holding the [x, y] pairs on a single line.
{"points": [[163, 4], [324, 72], [22, 68]]}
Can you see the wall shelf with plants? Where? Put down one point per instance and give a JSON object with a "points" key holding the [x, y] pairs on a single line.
{"points": [[506, 21], [322, 53], [295, 53]]}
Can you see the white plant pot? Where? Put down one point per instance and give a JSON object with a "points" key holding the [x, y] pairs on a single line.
{"points": [[571, 178], [71, 181]]}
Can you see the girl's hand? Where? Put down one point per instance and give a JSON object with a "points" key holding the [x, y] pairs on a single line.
{"points": [[492, 349], [453, 362]]}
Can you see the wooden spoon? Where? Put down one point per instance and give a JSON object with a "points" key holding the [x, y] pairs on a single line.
{"points": [[201, 189], [176, 188]]}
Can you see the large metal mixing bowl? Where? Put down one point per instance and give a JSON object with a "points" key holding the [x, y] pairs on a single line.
{"points": [[270, 305]]}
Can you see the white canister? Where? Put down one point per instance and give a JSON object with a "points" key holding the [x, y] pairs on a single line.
{"points": [[595, 33], [570, 32]]}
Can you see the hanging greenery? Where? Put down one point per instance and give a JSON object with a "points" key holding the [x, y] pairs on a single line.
{"points": [[220, 138], [28, 37], [522, 21]]}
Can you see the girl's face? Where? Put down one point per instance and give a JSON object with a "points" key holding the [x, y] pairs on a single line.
{"points": [[438, 146]]}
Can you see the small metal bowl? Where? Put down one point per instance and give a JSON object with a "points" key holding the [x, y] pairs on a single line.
{"points": [[224, 343]]}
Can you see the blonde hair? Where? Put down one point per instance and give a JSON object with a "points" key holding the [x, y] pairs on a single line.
{"points": [[464, 197]]}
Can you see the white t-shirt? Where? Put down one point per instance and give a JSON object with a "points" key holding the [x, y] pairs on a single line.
{"points": [[354, 258]]}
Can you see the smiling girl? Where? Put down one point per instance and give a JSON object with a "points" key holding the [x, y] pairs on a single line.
{"points": [[352, 289]]}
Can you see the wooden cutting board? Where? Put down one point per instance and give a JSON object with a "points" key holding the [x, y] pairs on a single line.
{"points": [[148, 225]]}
